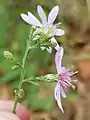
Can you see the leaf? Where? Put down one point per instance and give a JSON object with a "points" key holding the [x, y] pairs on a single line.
{"points": [[15, 66], [32, 82]]}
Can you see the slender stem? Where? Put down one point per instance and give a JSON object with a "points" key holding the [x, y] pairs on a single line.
{"points": [[23, 68], [21, 78], [15, 103], [22, 74]]}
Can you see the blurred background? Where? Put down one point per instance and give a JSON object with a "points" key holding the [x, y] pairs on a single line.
{"points": [[13, 33]]}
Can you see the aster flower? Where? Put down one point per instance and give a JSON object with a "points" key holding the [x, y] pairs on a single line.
{"points": [[64, 77], [46, 25]]}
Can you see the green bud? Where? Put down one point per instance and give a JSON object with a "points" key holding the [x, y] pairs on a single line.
{"points": [[21, 93], [51, 77], [8, 55], [16, 92], [38, 31], [34, 27], [48, 78]]}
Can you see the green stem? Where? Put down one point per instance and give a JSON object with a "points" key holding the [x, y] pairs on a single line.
{"points": [[22, 74], [21, 78], [15, 103], [23, 67]]}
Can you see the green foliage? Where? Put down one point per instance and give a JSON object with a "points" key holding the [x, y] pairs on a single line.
{"points": [[9, 76], [3, 25]]}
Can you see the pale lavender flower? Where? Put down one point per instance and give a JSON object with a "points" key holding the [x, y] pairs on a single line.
{"points": [[46, 25], [64, 77]]}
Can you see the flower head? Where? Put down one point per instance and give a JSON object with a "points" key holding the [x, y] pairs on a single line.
{"points": [[64, 77], [46, 25]]}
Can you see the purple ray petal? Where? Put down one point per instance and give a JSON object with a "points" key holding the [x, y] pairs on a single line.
{"points": [[58, 59], [58, 97], [56, 91], [53, 14], [53, 40], [63, 94], [42, 14], [32, 20], [59, 32]]}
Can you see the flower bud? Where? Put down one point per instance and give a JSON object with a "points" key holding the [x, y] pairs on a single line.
{"points": [[34, 27], [21, 93], [16, 92], [8, 55], [50, 77]]}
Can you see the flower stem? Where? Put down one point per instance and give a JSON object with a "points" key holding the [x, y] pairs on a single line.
{"points": [[22, 74], [15, 103], [21, 78]]}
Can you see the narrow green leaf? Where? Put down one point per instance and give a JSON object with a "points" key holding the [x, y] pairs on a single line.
{"points": [[46, 78], [32, 82], [15, 66]]}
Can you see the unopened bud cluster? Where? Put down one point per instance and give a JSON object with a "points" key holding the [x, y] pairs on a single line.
{"points": [[8, 55], [19, 93]]}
